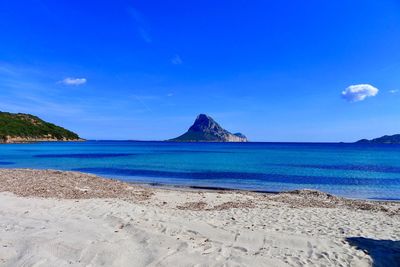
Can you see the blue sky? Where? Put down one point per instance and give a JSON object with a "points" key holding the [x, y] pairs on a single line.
{"points": [[274, 70]]}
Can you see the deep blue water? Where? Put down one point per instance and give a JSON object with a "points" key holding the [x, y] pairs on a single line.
{"points": [[350, 170]]}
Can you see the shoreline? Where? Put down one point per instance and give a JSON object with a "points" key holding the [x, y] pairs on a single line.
{"points": [[216, 142], [228, 189], [190, 188], [197, 188], [35, 141], [58, 218], [167, 186]]}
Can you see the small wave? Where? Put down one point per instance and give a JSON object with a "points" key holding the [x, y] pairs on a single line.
{"points": [[263, 177], [79, 156], [6, 163], [347, 167]]}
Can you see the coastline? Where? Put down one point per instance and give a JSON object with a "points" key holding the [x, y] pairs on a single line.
{"points": [[232, 190], [36, 140], [62, 218]]}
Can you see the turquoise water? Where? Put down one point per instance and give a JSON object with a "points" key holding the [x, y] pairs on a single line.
{"points": [[350, 170]]}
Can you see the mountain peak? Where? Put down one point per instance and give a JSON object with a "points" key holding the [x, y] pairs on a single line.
{"points": [[205, 123], [204, 119], [206, 129], [203, 116]]}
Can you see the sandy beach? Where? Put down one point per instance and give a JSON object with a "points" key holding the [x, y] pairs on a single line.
{"points": [[54, 218]]}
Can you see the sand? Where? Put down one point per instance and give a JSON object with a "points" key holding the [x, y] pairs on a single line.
{"points": [[53, 218]]}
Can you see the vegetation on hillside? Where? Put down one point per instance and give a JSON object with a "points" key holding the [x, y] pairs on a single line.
{"points": [[29, 126]]}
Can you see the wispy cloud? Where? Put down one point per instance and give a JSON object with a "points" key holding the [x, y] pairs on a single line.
{"points": [[144, 34], [394, 91], [38, 105], [74, 81], [359, 92], [141, 24], [176, 60], [33, 90], [140, 100], [12, 71], [6, 70]]}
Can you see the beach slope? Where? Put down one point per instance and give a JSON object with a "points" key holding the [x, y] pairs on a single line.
{"points": [[53, 218]]}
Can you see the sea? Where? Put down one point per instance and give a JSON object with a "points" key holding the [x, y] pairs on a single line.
{"points": [[360, 171]]}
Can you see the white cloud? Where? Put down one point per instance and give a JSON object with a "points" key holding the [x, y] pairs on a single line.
{"points": [[170, 94], [176, 60], [74, 81], [358, 92], [394, 91]]}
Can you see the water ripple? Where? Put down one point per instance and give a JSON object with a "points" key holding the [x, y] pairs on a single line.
{"points": [[347, 167], [6, 163], [263, 177], [79, 156]]}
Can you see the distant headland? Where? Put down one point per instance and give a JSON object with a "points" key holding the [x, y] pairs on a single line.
{"points": [[25, 128], [206, 129], [386, 139]]}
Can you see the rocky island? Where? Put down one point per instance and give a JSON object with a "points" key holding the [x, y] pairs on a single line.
{"points": [[25, 128], [386, 139], [206, 129]]}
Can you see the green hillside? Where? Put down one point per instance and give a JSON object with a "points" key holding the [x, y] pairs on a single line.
{"points": [[31, 127]]}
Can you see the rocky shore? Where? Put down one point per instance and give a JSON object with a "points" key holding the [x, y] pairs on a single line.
{"points": [[22, 140]]}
